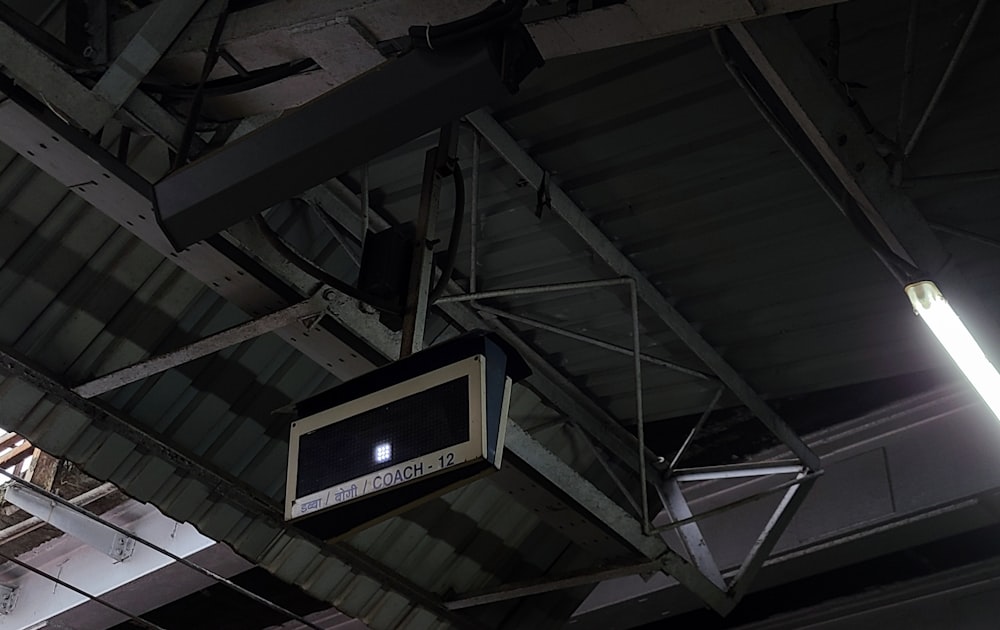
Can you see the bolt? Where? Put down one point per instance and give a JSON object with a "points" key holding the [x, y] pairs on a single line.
{"points": [[841, 140], [860, 166]]}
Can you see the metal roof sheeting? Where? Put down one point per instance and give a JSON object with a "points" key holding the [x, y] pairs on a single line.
{"points": [[660, 149]]}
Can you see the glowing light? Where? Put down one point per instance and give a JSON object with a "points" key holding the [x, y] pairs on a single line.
{"points": [[383, 452], [934, 309]]}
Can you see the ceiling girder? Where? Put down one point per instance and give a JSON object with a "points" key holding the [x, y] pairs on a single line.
{"points": [[562, 205], [71, 158], [118, 192], [882, 456], [143, 51], [586, 30], [803, 90], [91, 109]]}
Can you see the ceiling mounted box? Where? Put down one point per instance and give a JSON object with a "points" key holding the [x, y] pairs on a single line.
{"points": [[351, 125], [400, 435]]}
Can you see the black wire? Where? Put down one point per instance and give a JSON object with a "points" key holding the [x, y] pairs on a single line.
{"points": [[312, 269], [443, 36], [79, 591], [235, 84], [211, 57], [456, 233]]}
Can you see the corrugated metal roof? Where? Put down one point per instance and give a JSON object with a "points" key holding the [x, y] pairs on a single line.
{"points": [[659, 148], [82, 296]]}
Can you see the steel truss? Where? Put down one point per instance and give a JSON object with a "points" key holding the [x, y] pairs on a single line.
{"points": [[230, 263]]}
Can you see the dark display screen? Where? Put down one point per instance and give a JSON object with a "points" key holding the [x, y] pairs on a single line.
{"points": [[384, 436]]}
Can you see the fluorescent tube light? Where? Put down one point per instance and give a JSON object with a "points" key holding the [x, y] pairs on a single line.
{"points": [[934, 309]]}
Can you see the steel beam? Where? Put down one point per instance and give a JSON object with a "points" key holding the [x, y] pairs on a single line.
{"points": [[237, 275], [102, 538], [418, 298], [769, 536], [877, 496], [593, 341], [33, 69], [735, 471], [201, 348], [507, 147], [791, 82], [12, 532], [44, 77], [143, 51], [119, 193]]}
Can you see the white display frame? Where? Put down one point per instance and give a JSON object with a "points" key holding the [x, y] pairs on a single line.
{"points": [[399, 473]]}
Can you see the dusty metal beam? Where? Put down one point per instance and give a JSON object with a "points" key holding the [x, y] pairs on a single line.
{"points": [[102, 538], [769, 536], [880, 456], [201, 348], [126, 198], [593, 341], [21, 528], [791, 82], [143, 51], [690, 533], [508, 148], [736, 471], [44, 77], [33, 69]]}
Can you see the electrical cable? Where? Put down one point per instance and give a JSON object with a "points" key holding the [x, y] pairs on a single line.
{"points": [[79, 591], [847, 205], [176, 558], [448, 268], [227, 86], [312, 269], [442, 36]]}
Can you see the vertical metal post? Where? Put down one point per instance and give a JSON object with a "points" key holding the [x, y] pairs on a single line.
{"points": [[474, 212], [640, 428], [415, 314]]}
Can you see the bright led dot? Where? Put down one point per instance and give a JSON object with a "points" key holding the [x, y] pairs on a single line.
{"points": [[383, 453]]}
